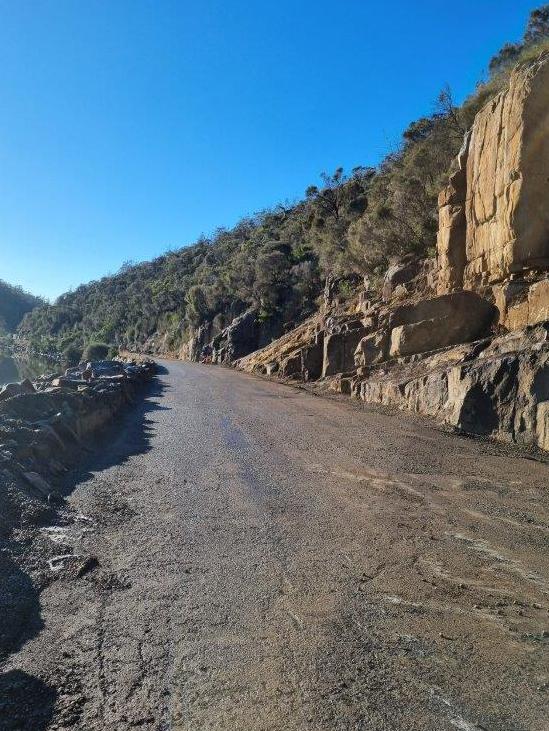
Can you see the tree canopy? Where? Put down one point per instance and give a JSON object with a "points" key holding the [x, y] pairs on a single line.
{"points": [[14, 304]]}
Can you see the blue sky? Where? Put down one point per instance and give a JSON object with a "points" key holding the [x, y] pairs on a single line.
{"points": [[131, 127]]}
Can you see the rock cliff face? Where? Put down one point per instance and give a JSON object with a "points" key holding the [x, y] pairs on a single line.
{"points": [[222, 345], [493, 215], [465, 339]]}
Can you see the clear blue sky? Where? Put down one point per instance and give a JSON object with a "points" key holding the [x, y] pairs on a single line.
{"points": [[130, 127]]}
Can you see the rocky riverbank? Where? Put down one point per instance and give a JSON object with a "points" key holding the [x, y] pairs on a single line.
{"points": [[46, 426]]}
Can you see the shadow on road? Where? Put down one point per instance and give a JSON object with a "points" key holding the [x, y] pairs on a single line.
{"points": [[19, 607], [26, 702], [130, 434]]}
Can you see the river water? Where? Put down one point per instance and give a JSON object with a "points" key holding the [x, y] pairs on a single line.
{"points": [[15, 368]]}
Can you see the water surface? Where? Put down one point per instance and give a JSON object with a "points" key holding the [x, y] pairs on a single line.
{"points": [[15, 367]]}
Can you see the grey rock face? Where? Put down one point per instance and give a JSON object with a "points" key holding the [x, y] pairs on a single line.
{"points": [[400, 273], [498, 388], [339, 351]]}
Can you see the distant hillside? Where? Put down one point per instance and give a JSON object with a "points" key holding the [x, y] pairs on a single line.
{"points": [[14, 304], [276, 261]]}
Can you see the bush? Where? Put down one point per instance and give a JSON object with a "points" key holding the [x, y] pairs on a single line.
{"points": [[72, 355], [96, 351]]}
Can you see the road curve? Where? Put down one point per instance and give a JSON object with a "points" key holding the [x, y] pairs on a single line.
{"points": [[269, 560]]}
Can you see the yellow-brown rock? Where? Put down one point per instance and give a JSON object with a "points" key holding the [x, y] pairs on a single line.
{"points": [[279, 355], [522, 303], [505, 196], [452, 228]]}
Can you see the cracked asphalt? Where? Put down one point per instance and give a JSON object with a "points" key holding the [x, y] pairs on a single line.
{"points": [[259, 558]]}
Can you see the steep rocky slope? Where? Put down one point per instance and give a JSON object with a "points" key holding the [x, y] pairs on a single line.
{"points": [[464, 338]]}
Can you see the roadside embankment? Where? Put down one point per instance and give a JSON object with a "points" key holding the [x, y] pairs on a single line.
{"points": [[45, 428], [45, 425]]}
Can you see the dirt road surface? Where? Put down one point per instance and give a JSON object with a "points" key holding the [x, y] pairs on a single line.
{"points": [[262, 559]]}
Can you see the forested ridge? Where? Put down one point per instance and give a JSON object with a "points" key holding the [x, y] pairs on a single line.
{"points": [[349, 225], [14, 304]]}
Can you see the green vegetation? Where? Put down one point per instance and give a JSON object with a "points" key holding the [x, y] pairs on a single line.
{"points": [[71, 355], [277, 260], [96, 351], [14, 304]]}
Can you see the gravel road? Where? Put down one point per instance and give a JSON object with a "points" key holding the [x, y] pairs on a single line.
{"points": [[258, 558]]}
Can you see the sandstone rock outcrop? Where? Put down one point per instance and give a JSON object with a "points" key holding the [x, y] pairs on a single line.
{"points": [[373, 348], [493, 215], [430, 324], [507, 180], [497, 387], [244, 334], [452, 230], [237, 339], [340, 342], [297, 354]]}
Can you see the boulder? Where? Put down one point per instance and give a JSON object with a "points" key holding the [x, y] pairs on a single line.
{"points": [[538, 302], [339, 351], [292, 366], [246, 334], [472, 315], [16, 389], [242, 335], [449, 319], [102, 368], [198, 346], [521, 302], [372, 349], [400, 273], [312, 357], [423, 336]]}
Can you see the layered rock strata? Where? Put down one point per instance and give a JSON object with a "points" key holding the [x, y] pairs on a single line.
{"points": [[498, 387]]}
